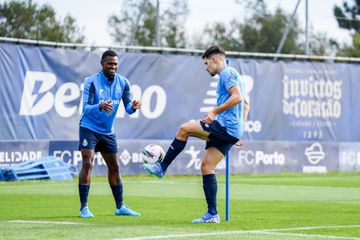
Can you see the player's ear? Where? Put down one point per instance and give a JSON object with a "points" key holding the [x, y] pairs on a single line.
{"points": [[213, 58]]}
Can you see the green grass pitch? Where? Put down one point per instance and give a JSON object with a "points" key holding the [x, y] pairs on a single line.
{"points": [[280, 206]]}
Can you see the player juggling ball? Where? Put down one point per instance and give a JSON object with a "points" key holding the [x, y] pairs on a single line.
{"points": [[221, 128]]}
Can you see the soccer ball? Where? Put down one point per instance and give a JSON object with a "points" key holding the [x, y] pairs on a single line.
{"points": [[153, 153]]}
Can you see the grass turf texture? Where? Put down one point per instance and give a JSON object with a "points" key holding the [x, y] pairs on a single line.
{"points": [[327, 206]]}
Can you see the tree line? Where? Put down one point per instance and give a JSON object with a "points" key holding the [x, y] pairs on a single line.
{"points": [[135, 24]]}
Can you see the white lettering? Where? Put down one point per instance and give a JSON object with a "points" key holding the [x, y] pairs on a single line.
{"points": [[61, 98], [259, 157], [160, 100], [28, 98], [312, 98], [40, 100], [16, 156]]}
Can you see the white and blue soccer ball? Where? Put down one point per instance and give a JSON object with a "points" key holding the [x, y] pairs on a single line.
{"points": [[152, 154]]}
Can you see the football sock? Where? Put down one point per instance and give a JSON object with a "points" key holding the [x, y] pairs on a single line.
{"points": [[175, 148], [210, 189], [117, 191], [84, 193]]}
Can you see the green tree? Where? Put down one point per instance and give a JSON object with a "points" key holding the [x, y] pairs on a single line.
{"points": [[348, 17], [260, 32], [24, 19], [136, 24], [263, 31], [173, 27], [351, 51], [221, 34]]}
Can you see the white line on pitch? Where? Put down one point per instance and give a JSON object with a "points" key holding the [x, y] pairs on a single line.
{"points": [[263, 231], [311, 228], [304, 235], [44, 222]]}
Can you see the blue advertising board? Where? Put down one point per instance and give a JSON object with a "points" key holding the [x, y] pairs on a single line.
{"points": [[290, 100]]}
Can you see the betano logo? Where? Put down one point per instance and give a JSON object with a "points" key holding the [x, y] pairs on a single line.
{"points": [[38, 97], [210, 101]]}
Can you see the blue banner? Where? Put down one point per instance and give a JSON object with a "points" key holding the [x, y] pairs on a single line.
{"points": [[290, 101], [254, 157]]}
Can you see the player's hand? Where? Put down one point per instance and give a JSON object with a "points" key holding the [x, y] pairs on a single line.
{"points": [[209, 117], [107, 106], [240, 143], [136, 104]]}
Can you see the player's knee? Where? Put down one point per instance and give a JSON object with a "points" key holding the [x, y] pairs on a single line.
{"points": [[206, 168], [87, 164], [114, 170], [182, 131]]}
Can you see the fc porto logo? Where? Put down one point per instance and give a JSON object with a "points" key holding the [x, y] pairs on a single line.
{"points": [[85, 143], [118, 88]]}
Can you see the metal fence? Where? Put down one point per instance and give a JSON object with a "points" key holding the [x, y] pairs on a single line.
{"points": [[178, 50]]}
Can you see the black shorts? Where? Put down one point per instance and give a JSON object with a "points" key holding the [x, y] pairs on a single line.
{"points": [[100, 142], [218, 137]]}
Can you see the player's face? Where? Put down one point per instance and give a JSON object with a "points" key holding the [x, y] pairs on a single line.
{"points": [[211, 66], [110, 66]]}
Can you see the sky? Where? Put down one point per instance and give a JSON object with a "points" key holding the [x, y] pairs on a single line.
{"points": [[92, 15]]}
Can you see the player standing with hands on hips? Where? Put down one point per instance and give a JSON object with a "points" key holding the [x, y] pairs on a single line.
{"points": [[221, 128], [102, 95]]}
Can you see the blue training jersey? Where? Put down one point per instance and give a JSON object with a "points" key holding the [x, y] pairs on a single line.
{"points": [[231, 118], [99, 88]]}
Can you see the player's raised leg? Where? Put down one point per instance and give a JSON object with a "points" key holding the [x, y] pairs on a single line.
{"points": [[211, 159], [186, 130], [84, 182], [116, 185]]}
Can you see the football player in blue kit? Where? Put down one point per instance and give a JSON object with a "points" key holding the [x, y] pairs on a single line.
{"points": [[103, 93], [221, 128]]}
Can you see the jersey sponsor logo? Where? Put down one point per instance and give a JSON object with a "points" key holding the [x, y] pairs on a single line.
{"points": [[41, 95], [113, 102]]}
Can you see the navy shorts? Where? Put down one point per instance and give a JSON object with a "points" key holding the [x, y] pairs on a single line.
{"points": [[218, 137], [100, 142]]}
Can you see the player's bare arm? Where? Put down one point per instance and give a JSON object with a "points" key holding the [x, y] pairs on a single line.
{"points": [[233, 100], [246, 109]]}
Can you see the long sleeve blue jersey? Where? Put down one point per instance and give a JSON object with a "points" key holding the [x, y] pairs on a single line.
{"points": [[99, 88]]}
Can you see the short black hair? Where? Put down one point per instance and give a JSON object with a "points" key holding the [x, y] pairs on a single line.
{"points": [[213, 50], [110, 53]]}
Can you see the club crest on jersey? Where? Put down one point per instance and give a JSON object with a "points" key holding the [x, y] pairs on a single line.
{"points": [[85, 143], [101, 91], [118, 88]]}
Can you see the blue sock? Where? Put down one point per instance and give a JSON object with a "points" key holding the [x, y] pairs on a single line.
{"points": [[83, 193], [117, 191], [210, 189], [175, 148]]}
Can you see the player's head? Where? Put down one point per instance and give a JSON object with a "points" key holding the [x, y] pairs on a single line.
{"points": [[109, 63], [214, 59]]}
